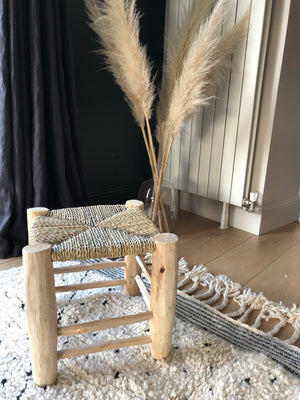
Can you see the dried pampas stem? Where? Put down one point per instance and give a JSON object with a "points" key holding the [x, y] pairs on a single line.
{"points": [[148, 150], [153, 155], [165, 159], [162, 220]]}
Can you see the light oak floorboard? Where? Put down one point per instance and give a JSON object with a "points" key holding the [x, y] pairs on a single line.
{"points": [[250, 258], [10, 263], [281, 279], [201, 240], [258, 262]]}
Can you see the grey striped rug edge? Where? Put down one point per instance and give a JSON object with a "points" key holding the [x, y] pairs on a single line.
{"points": [[241, 335]]}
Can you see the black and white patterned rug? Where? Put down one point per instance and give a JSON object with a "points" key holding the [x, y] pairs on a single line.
{"points": [[201, 365]]}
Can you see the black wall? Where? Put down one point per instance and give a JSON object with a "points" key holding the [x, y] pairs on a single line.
{"points": [[114, 158]]}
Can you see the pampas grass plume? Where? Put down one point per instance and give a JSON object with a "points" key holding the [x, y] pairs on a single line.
{"points": [[203, 68], [178, 49], [116, 23]]}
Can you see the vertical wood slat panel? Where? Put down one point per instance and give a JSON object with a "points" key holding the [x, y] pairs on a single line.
{"points": [[210, 159]]}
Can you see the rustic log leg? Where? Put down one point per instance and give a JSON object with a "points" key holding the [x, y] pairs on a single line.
{"points": [[132, 268], [41, 312], [135, 203], [31, 214], [163, 294]]}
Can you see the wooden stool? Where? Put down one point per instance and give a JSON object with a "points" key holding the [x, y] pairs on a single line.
{"points": [[77, 233]]}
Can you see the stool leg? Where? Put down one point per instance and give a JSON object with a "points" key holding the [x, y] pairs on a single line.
{"points": [[41, 312], [163, 294], [31, 214], [131, 270]]}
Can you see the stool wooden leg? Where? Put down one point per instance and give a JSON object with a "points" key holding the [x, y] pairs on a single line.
{"points": [[131, 270], [31, 214], [41, 312], [163, 294], [135, 203]]}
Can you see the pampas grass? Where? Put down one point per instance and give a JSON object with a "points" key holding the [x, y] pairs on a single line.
{"points": [[203, 68], [189, 27], [195, 67], [116, 23]]}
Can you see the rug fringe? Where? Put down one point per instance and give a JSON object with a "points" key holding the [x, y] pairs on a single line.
{"points": [[230, 326], [221, 289]]}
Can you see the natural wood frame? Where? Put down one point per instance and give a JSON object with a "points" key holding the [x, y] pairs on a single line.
{"points": [[42, 313]]}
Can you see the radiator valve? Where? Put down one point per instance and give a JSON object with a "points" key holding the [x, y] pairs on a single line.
{"points": [[249, 204]]}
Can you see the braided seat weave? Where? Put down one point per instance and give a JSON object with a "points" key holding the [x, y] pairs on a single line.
{"points": [[93, 232]]}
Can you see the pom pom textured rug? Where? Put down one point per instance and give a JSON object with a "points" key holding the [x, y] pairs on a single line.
{"points": [[201, 365]]}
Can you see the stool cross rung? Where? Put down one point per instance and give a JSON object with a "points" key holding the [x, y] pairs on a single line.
{"points": [[90, 285], [89, 267], [112, 345], [143, 290], [102, 324], [144, 268]]}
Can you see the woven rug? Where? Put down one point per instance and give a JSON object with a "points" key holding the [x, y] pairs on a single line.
{"points": [[201, 365]]}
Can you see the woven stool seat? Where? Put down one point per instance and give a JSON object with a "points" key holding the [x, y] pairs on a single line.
{"points": [[94, 232]]}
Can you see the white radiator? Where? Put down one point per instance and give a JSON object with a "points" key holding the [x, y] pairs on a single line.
{"points": [[213, 157]]}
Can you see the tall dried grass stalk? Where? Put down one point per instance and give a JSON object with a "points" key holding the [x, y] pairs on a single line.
{"points": [[189, 27], [116, 23]]}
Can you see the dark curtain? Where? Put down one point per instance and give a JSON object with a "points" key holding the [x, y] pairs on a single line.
{"points": [[39, 149]]}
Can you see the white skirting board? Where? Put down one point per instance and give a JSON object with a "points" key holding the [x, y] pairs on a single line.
{"points": [[263, 220], [279, 213]]}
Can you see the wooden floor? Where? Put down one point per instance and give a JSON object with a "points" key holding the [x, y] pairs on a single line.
{"points": [[269, 263]]}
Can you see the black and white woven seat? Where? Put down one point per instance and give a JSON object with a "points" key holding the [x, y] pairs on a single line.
{"points": [[94, 232]]}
